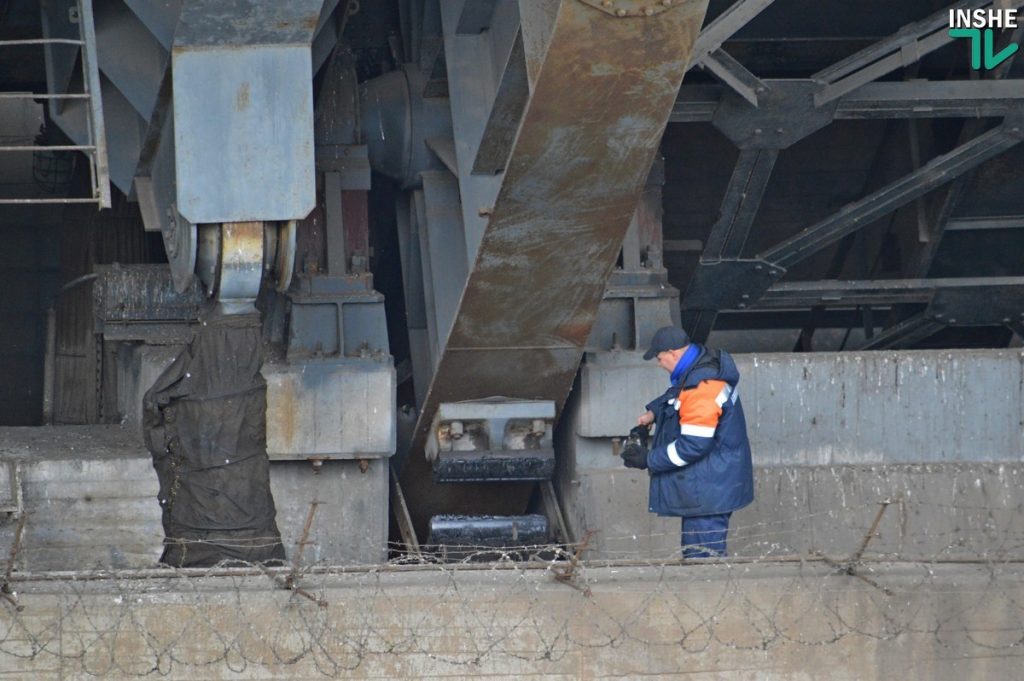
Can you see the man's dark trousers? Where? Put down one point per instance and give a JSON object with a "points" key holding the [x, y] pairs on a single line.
{"points": [[704, 536]]}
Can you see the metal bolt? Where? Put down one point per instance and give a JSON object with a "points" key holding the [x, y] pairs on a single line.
{"points": [[952, 321], [742, 306], [620, 12], [606, 3], [1006, 320], [758, 267], [648, 11], [745, 296], [757, 131]]}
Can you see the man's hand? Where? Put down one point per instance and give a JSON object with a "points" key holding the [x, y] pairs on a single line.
{"points": [[634, 456], [641, 434], [645, 419]]}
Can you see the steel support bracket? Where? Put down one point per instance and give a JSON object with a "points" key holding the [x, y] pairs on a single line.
{"points": [[730, 284], [977, 305], [336, 317], [784, 115], [491, 440], [624, 9]]}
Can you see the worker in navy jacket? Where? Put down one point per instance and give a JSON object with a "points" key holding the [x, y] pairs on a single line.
{"points": [[699, 458]]}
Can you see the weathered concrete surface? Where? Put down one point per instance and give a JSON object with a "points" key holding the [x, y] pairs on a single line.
{"points": [[885, 407], [350, 525], [963, 511], [89, 493], [940, 432], [841, 408], [770, 622]]}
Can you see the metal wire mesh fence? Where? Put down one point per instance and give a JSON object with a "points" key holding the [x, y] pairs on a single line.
{"points": [[543, 610]]}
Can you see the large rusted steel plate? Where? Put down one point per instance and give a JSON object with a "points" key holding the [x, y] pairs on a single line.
{"points": [[586, 143]]}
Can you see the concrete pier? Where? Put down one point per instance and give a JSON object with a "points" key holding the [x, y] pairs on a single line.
{"points": [[938, 433]]}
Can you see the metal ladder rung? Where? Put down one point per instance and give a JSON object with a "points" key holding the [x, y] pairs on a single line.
{"points": [[60, 147], [32, 201], [33, 95], [40, 41]]}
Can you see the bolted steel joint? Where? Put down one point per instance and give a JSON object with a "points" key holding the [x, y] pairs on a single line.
{"points": [[625, 9]]}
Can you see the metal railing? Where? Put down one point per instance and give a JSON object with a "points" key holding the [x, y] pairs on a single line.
{"points": [[95, 149]]}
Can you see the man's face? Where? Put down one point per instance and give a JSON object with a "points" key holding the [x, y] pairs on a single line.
{"points": [[667, 359]]}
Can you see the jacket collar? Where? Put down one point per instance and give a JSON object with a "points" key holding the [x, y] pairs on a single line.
{"points": [[684, 364]]}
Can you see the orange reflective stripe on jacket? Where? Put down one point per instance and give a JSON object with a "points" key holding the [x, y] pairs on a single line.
{"points": [[701, 407]]}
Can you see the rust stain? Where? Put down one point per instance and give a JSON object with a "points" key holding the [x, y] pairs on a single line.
{"points": [[571, 186], [242, 97], [283, 416]]}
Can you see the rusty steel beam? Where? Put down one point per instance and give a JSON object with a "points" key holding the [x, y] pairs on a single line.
{"points": [[588, 137]]}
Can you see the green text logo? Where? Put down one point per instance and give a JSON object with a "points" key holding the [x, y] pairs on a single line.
{"points": [[983, 53]]}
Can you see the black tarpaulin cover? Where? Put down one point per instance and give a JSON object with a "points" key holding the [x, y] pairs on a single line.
{"points": [[205, 425]]}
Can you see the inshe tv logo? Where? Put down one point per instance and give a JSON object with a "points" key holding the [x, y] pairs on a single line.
{"points": [[979, 26]]}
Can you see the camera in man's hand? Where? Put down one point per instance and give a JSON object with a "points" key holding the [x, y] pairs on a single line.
{"points": [[634, 448], [634, 456]]}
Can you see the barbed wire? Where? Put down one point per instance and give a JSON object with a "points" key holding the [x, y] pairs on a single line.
{"points": [[958, 587]]}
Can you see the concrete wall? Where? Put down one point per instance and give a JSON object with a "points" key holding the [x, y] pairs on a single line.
{"points": [[841, 408], [937, 510], [939, 432], [769, 622], [90, 495], [351, 522]]}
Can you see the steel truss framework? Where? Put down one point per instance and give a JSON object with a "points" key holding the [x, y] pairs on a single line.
{"points": [[763, 117]]}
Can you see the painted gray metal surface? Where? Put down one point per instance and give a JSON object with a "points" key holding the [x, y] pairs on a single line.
{"points": [[161, 18], [70, 50], [225, 23], [497, 409], [396, 121], [243, 121], [130, 56], [472, 91], [442, 241], [336, 317], [124, 147], [336, 409]]}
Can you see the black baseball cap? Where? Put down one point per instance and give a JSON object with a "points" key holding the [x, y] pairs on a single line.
{"points": [[667, 338]]}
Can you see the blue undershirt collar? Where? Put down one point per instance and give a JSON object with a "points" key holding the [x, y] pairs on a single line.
{"points": [[684, 363]]}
